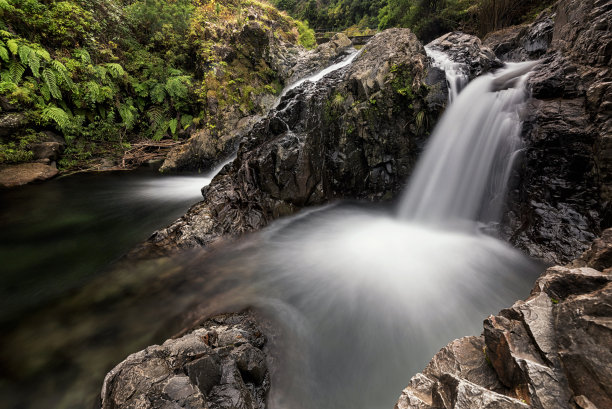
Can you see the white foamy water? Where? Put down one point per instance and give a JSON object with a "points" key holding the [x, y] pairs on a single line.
{"points": [[175, 188], [365, 298], [456, 73], [319, 75]]}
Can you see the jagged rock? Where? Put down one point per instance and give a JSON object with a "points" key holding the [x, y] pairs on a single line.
{"points": [[467, 50], [24, 173], [46, 150], [219, 365], [356, 133], [553, 350], [523, 42], [563, 197]]}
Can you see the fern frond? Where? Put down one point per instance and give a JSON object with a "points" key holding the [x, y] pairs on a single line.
{"points": [[158, 121], [51, 81], [172, 124], [6, 6], [83, 55], [93, 92], [100, 72], [24, 54], [34, 64], [115, 70], [16, 69], [5, 76], [44, 90], [175, 87], [62, 74], [186, 121], [4, 54], [44, 54], [13, 46], [158, 93], [128, 115], [57, 115]]}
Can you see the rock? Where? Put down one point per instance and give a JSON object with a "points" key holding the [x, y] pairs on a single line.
{"points": [[553, 350], [353, 134], [524, 42], [24, 173], [46, 150], [12, 122], [197, 370], [467, 50], [563, 195]]}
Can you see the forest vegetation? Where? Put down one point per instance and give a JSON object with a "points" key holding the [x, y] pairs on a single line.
{"points": [[103, 73]]}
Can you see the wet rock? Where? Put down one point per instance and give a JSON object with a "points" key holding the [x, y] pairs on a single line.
{"points": [[46, 150], [355, 134], [524, 42], [562, 198], [467, 50], [195, 370], [24, 173], [552, 350]]}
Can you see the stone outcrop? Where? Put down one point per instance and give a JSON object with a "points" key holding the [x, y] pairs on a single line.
{"points": [[562, 200], [551, 351], [355, 134], [208, 146], [468, 51], [220, 365], [24, 173]]}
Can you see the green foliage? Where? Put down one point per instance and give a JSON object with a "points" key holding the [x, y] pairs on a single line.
{"points": [[57, 115], [306, 37]]}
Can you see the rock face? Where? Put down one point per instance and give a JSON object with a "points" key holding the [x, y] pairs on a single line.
{"points": [[553, 350], [562, 200], [467, 50], [24, 173], [356, 133], [207, 146], [218, 366]]}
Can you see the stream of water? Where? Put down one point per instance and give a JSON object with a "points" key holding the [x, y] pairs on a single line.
{"points": [[363, 296]]}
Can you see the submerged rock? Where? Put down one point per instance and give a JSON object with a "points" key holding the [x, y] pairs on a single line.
{"points": [[551, 351], [219, 365]]}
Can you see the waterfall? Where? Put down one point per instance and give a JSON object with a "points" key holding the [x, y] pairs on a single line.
{"points": [[456, 73], [463, 173]]}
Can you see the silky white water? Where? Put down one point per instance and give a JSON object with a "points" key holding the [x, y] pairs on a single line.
{"points": [[366, 297], [456, 73]]}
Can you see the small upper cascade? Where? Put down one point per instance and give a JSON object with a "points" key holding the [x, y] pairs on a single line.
{"points": [[464, 171], [456, 73], [318, 75]]}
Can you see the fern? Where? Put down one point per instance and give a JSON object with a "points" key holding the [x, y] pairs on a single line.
{"points": [[186, 120], [62, 74], [51, 82], [115, 70], [16, 70], [57, 115], [100, 72], [4, 53], [159, 124], [44, 91], [176, 88], [13, 46], [44, 54], [83, 55], [172, 124], [24, 54], [93, 92], [34, 64], [158, 93], [5, 5], [128, 115]]}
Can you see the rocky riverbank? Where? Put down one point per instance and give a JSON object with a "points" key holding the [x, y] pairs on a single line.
{"points": [[357, 134]]}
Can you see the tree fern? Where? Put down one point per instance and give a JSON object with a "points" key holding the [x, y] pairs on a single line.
{"points": [[158, 121], [13, 46], [128, 115], [16, 69], [4, 53], [51, 81], [115, 70], [57, 115]]}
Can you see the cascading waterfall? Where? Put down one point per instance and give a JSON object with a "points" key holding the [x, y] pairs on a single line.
{"points": [[367, 297], [456, 73]]}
